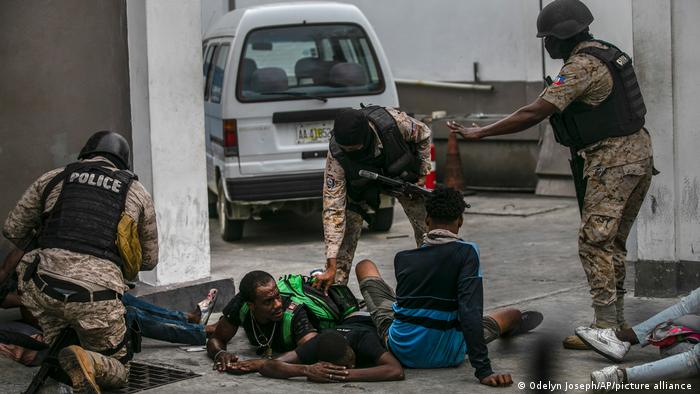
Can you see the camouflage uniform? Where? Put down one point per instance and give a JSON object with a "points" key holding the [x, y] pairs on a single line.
{"points": [[99, 325], [341, 226], [618, 173]]}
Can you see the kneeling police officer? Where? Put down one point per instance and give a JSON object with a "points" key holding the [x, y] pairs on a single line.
{"points": [[85, 227]]}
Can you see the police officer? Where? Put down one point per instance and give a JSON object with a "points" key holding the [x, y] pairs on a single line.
{"points": [[596, 109], [377, 139], [72, 273]]}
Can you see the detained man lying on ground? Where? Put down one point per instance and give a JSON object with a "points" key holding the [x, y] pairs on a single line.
{"points": [[167, 325], [8, 285], [675, 330], [271, 322], [349, 352], [22, 340], [436, 315]]}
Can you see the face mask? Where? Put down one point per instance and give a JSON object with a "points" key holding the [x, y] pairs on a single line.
{"points": [[366, 152], [554, 47]]}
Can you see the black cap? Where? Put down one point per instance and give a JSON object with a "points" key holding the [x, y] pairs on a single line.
{"points": [[563, 19], [111, 145], [351, 127]]}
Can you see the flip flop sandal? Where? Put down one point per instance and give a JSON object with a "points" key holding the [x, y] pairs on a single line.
{"points": [[206, 306], [529, 320]]}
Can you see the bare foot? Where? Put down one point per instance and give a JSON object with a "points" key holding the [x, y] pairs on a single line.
{"points": [[209, 329], [195, 316]]}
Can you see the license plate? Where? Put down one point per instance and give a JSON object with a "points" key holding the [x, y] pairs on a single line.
{"points": [[314, 133]]}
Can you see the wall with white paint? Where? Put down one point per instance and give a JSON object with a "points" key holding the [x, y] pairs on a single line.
{"points": [[686, 100], [440, 40], [211, 11], [165, 67]]}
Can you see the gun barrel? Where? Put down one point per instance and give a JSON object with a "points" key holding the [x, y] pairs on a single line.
{"points": [[368, 174]]}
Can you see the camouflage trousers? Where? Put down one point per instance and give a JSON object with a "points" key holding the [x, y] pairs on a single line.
{"points": [[415, 211], [613, 198], [100, 327]]}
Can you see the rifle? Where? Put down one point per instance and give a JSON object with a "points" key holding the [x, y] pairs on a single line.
{"points": [[397, 186], [50, 365], [577, 164]]}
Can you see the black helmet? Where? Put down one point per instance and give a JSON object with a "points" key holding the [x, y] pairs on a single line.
{"points": [[563, 19], [112, 145]]}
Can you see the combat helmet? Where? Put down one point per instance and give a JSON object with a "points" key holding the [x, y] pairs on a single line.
{"points": [[563, 19], [111, 144]]}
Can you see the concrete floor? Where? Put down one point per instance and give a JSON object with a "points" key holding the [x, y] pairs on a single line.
{"points": [[528, 261]]}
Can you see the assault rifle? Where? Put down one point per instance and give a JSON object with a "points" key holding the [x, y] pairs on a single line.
{"points": [[50, 366], [397, 186]]}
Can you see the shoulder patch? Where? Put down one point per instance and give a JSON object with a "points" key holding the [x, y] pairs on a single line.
{"points": [[330, 182], [559, 80]]}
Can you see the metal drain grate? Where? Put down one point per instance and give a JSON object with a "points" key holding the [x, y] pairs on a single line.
{"points": [[143, 376]]}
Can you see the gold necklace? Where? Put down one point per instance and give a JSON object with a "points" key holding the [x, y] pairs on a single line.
{"points": [[264, 350]]}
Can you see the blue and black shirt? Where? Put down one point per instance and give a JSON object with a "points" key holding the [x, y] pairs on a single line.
{"points": [[439, 308]]}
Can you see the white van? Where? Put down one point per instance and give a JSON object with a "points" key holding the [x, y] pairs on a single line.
{"points": [[275, 77]]}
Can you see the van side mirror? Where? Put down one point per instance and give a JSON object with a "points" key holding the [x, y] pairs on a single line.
{"points": [[262, 46]]}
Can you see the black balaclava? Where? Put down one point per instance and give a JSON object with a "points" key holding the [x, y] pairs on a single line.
{"points": [[561, 49], [351, 127]]}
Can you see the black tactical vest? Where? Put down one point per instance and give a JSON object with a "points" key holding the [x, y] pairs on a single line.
{"points": [[621, 113], [398, 159], [85, 216]]}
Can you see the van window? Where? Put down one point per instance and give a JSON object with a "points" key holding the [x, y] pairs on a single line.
{"points": [[291, 62], [208, 54], [217, 79]]}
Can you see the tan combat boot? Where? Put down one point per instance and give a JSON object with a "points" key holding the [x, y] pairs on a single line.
{"points": [[605, 317], [109, 372], [79, 366], [620, 306]]}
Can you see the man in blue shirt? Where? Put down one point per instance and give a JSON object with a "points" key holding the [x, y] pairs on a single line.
{"points": [[436, 315]]}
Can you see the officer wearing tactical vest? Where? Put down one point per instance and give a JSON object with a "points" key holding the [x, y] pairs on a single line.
{"points": [[596, 109], [380, 140], [85, 227]]}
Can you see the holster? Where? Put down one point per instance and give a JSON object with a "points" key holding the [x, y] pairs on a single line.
{"points": [[31, 269]]}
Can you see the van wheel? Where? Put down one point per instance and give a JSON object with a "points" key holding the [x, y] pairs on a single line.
{"points": [[230, 229], [383, 219]]}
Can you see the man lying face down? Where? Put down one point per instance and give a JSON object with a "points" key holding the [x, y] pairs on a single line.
{"points": [[352, 351], [271, 322]]}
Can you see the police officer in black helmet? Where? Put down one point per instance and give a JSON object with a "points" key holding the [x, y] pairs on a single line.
{"points": [[85, 228], [110, 145], [596, 109]]}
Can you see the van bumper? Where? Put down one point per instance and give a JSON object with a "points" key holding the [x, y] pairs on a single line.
{"points": [[276, 187]]}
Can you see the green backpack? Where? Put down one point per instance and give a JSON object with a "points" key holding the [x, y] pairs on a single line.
{"points": [[326, 311]]}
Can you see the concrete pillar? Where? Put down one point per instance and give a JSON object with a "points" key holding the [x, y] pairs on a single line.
{"points": [[668, 227], [686, 93], [165, 69]]}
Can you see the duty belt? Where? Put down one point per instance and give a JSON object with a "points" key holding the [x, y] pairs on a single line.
{"points": [[48, 286]]}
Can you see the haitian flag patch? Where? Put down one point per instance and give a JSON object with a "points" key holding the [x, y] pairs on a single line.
{"points": [[560, 80]]}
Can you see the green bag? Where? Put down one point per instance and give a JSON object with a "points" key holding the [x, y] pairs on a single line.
{"points": [[326, 311]]}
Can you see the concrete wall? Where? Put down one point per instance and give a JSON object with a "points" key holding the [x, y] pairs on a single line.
{"points": [[686, 94], [165, 63], [668, 228], [212, 10], [440, 40], [63, 76]]}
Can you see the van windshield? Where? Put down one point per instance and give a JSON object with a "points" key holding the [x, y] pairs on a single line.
{"points": [[307, 62]]}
